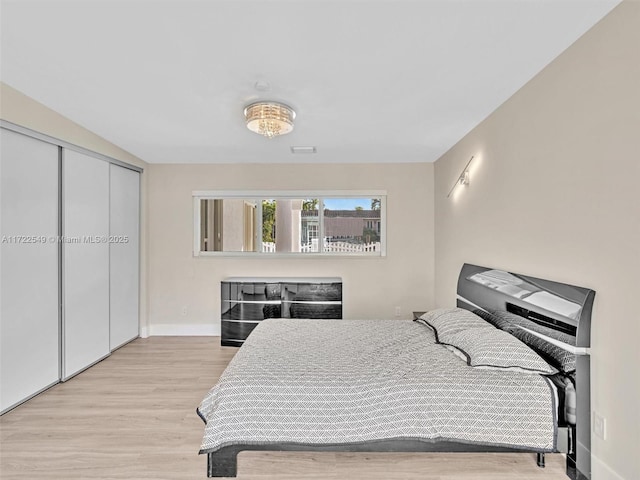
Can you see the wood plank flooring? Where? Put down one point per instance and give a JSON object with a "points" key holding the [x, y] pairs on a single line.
{"points": [[132, 416]]}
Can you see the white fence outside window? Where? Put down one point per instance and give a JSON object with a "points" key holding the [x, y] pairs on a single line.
{"points": [[333, 247]]}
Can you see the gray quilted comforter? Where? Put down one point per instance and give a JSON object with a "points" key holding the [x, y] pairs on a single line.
{"points": [[351, 381]]}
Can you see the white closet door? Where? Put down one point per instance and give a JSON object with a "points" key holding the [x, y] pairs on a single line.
{"points": [[124, 257], [29, 320], [86, 261]]}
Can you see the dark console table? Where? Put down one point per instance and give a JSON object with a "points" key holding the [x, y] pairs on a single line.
{"points": [[246, 301]]}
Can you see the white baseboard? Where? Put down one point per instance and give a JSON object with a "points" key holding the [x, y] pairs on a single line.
{"points": [[602, 471], [184, 330]]}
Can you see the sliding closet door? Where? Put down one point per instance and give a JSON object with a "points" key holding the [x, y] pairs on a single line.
{"points": [[86, 261], [29, 320], [124, 257]]}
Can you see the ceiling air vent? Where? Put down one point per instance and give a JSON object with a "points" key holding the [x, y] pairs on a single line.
{"points": [[303, 150]]}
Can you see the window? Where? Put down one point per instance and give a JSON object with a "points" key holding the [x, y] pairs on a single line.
{"points": [[286, 223]]}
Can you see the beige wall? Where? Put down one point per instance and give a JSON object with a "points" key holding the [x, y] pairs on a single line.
{"points": [[554, 194], [372, 286], [15, 107]]}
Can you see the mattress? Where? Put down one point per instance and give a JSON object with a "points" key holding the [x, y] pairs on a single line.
{"points": [[350, 381]]}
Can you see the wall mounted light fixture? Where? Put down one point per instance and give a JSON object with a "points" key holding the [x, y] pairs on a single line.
{"points": [[463, 179]]}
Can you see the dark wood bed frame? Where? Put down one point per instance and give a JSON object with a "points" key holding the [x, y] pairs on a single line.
{"points": [[573, 440], [223, 462]]}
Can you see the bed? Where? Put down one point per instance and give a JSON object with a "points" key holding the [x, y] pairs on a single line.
{"points": [[458, 379]]}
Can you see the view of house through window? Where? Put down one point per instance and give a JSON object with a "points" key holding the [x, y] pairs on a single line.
{"points": [[321, 225]]}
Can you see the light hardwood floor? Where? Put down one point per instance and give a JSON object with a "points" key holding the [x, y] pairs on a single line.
{"points": [[132, 416]]}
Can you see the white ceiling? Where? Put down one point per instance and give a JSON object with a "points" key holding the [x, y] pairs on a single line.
{"points": [[371, 81]]}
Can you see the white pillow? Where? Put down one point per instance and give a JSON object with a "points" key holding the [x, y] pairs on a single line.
{"points": [[447, 321], [496, 349]]}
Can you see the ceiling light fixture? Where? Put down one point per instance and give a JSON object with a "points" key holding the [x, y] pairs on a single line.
{"points": [[269, 118]]}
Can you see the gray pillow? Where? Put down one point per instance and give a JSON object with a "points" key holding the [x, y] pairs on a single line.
{"points": [[557, 356], [495, 318]]}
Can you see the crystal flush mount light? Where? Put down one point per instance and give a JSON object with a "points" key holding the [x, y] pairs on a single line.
{"points": [[269, 118]]}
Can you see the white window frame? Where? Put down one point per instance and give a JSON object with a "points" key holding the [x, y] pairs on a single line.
{"points": [[199, 195]]}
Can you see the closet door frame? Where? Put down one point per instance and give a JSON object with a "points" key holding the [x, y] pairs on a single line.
{"points": [[118, 256], [63, 144], [34, 377], [85, 260]]}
